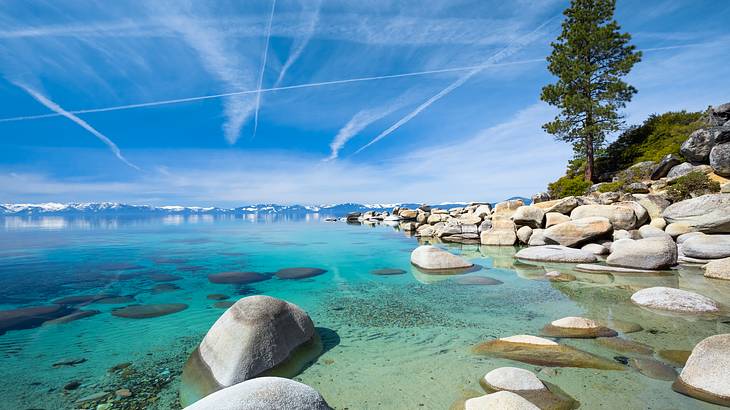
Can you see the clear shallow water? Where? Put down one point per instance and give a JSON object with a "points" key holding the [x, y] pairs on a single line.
{"points": [[392, 342]]}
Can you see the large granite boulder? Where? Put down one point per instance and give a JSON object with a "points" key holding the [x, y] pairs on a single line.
{"points": [[263, 393], [717, 115], [562, 206], [699, 144], [706, 246], [621, 217], [524, 233], [502, 233], [720, 159], [254, 336], [429, 257], [531, 216], [555, 253], [507, 208], [649, 253], [706, 375], [537, 238], [578, 231], [654, 205], [707, 213], [675, 300], [665, 165]]}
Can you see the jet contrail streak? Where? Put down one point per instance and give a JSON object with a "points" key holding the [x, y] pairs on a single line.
{"points": [[501, 54], [83, 124], [261, 72], [283, 88]]}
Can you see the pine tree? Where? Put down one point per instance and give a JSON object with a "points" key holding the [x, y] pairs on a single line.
{"points": [[589, 59]]}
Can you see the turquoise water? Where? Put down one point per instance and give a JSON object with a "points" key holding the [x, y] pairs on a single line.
{"points": [[392, 342]]}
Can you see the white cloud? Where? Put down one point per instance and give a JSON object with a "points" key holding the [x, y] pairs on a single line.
{"points": [[512, 158], [301, 42]]}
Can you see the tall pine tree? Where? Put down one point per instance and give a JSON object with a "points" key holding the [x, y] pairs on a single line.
{"points": [[589, 59]]}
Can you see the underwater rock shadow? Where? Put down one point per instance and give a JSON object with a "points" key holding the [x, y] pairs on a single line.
{"points": [[330, 339]]}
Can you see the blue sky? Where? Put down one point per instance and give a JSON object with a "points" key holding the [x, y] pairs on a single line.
{"points": [[456, 116]]}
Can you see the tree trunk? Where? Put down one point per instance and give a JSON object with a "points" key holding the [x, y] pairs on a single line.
{"points": [[589, 158]]}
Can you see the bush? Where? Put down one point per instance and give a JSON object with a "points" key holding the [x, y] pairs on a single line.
{"points": [[611, 187], [658, 136], [691, 185], [568, 186]]}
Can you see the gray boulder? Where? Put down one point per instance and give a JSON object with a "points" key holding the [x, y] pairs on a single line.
{"points": [[524, 233], [707, 213], [665, 165], [685, 168], [720, 159], [717, 115], [555, 253], [707, 246], [621, 217], [718, 269], [432, 258], [648, 231], [649, 253], [531, 216], [578, 231], [537, 238], [273, 393], [564, 205], [502, 233], [554, 218], [705, 376], [699, 144], [253, 336]]}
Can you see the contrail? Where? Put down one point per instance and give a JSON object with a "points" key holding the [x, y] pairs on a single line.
{"points": [[302, 45], [261, 72], [503, 53], [58, 109], [282, 88]]}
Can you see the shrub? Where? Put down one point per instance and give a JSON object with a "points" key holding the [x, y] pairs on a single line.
{"points": [[568, 186], [658, 136], [611, 187], [691, 185]]}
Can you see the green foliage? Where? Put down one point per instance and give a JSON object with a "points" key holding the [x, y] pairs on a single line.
{"points": [[589, 59], [691, 185], [611, 187], [658, 136], [568, 186]]}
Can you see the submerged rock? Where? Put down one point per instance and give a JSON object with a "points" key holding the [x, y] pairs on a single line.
{"points": [[236, 277], [298, 273], [678, 357], [163, 277], [258, 335], [706, 376], [149, 311], [675, 300], [388, 272], [543, 352], [577, 327], [263, 393], [217, 296], [624, 346], [477, 280], [429, 257], [555, 253], [653, 368], [81, 314], [30, 317]]}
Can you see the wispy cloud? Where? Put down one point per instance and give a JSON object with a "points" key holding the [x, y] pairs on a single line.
{"points": [[359, 122], [263, 68], [83, 124], [300, 43], [223, 61], [508, 51]]}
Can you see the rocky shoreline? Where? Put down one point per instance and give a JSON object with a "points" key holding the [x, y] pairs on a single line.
{"points": [[638, 230]]}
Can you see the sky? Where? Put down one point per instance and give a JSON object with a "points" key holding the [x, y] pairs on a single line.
{"points": [[312, 101]]}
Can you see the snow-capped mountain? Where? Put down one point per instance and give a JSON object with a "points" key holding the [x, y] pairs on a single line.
{"points": [[113, 208]]}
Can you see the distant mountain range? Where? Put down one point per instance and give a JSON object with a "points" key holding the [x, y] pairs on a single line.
{"points": [[119, 209]]}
